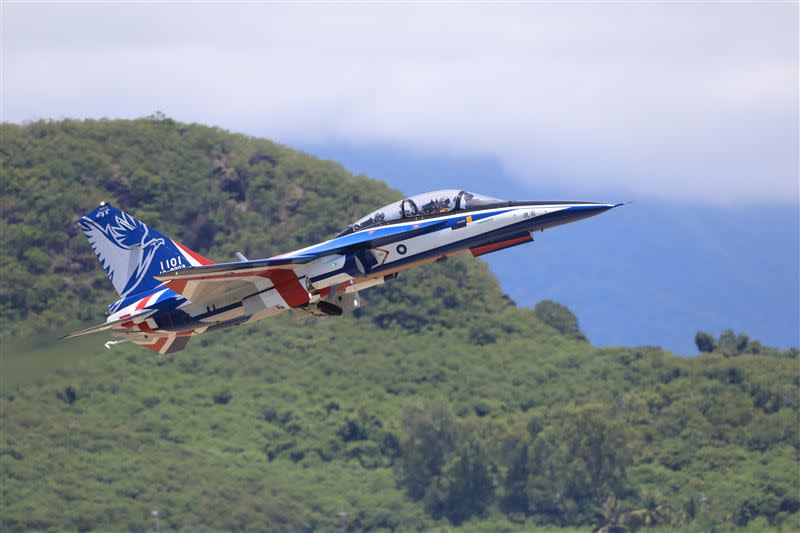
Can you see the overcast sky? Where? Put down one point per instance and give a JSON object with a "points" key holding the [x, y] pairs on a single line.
{"points": [[669, 101]]}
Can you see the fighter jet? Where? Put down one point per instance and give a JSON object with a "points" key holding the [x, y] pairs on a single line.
{"points": [[169, 293]]}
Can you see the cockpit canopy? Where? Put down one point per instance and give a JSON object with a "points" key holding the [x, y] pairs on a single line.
{"points": [[423, 204]]}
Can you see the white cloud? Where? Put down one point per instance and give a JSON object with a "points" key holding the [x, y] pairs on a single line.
{"points": [[670, 101]]}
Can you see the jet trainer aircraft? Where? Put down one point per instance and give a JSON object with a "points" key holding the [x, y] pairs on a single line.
{"points": [[168, 293]]}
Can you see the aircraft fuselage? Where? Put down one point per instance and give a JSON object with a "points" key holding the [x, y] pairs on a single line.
{"points": [[334, 278]]}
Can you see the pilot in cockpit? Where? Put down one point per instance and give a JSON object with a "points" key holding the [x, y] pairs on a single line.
{"points": [[436, 206], [376, 219]]}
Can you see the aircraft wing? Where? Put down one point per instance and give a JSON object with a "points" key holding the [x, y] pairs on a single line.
{"points": [[114, 324], [212, 284], [238, 268], [237, 280], [339, 245]]}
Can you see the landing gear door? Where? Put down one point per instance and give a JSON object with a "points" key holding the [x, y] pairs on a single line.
{"points": [[348, 301]]}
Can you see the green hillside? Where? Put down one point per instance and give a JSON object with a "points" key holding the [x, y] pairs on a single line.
{"points": [[441, 405]]}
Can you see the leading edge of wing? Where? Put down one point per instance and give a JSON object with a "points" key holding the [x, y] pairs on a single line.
{"points": [[243, 267]]}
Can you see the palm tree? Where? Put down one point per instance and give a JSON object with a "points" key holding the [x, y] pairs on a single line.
{"points": [[611, 516], [654, 510]]}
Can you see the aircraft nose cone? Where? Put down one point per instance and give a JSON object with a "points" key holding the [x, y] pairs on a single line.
{"points": [[589, 210], [579, 212], [601, 207]]}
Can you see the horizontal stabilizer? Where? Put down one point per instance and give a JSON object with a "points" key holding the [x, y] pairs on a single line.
{"points": [[165, 345], [136, 319]]}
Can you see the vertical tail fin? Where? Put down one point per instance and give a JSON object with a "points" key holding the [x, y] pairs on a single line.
{"points": [[132, 253]]}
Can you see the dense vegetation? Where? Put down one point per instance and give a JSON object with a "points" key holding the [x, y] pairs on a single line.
{"points": [[441, 404]]}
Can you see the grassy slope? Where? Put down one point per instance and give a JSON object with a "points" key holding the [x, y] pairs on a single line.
{"points": [[282, 425]]}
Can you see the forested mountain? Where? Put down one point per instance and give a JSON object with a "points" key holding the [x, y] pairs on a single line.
{"points": [[440, 405]]}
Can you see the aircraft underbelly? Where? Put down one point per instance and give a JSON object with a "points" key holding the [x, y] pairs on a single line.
{"points": [[222, 316]]}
